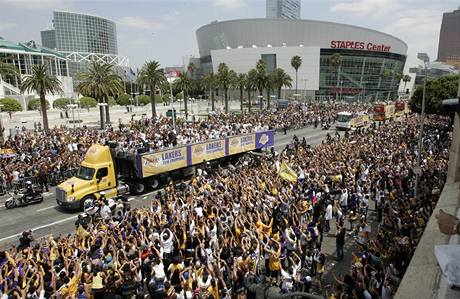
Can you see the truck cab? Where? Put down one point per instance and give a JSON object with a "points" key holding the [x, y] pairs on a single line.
{"points": [[96, 173], [344, 121]]}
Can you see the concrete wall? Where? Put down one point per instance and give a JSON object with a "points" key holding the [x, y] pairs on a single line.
{"points": [[242, 60], [276, 32]]}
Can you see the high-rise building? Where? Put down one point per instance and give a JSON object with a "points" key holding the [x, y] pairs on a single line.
{"points": [[75, 32], [283, 9], [83, 38], [449, 37]]}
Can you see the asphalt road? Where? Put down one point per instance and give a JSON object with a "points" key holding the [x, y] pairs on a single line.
{"points": [[47, 218]]}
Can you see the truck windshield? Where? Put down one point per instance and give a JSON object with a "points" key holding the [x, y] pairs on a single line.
{"points": [[85, 173], [343, 118]]}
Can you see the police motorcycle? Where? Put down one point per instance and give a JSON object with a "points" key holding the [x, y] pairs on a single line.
{"points": [[20, 199]]}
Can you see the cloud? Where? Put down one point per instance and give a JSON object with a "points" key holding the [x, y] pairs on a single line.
{"points": [[38, 4], [374, 8], [229, 4], [141, 23], [7, 25]]}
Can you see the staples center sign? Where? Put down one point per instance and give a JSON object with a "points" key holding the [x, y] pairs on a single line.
{"points": [[354, 45]]}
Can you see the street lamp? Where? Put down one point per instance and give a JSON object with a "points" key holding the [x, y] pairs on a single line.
{"points": [[260, 101], [170, 78], [72, 107], [101, 110], [1, 121], [418, 171]]}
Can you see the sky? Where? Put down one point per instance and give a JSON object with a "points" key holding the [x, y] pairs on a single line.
{"points": [[164, 30]]}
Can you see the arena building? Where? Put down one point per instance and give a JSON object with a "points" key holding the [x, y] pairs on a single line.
{"points": [[368, 64]]}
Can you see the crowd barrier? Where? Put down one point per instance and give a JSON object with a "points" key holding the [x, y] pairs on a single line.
{"points": [[54, 179]]}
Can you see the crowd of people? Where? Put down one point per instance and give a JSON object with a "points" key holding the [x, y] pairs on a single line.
{"points": [[59, 151], [232, 230]]}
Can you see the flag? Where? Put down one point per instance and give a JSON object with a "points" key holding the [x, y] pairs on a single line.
{"points": [[287, 173]]}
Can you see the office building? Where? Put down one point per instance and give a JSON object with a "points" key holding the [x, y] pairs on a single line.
{"points": [[449, 37], [365, 55], [283, 9], [23, 56], [83, 38]]}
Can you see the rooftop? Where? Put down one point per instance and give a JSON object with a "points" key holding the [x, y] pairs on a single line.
{"points": [[29, 47]]}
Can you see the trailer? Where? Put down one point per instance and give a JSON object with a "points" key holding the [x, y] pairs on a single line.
{"points": [[107, 169]]}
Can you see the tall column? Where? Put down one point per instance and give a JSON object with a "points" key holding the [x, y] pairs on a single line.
{"points": [[453, 172]]}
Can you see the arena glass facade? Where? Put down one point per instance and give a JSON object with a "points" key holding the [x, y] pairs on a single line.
{"points": [[361, 74]]}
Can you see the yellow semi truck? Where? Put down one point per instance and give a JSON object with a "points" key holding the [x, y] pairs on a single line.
{"points": [[114, 172]]}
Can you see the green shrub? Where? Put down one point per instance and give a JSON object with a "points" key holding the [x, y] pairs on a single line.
{"points": [[87, 102], [10, 105], [34, 104], [112, 102], [124, 100], [143, 100], [62, 103]]}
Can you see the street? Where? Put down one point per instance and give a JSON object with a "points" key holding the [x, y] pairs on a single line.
{"points": [[47, 218]]}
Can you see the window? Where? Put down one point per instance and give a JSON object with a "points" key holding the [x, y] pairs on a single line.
{"points": [[102, 172], [270, 61]]}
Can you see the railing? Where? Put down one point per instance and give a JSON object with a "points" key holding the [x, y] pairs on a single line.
{"points": [[53, 179]]}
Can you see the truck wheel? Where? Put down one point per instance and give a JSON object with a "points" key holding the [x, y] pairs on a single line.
{"points": [[139, 188], [155, 183], [85, 199]]}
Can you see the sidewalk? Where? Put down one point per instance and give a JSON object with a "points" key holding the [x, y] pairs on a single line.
{"points": [[117, 113]]}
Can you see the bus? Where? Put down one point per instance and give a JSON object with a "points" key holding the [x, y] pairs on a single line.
{"points": [[351, 121], [401, 108], [384, 111]]}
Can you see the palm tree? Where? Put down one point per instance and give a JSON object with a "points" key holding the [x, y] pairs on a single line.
{"points": [[224, 80], [384, 75], [42, 82], [296, 62], [152, 76], [7, 69], [210, 83], [280, 78], [250, 85], [191, 68], [185, 84], [240, 83], [406, 79], [261, 79], [99, 82], [336, 62]]}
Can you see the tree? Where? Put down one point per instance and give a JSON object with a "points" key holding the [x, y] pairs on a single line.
{"points": [[42, 82], [61, 103], [35, 104], [336, 62], [384, 75], [7, 69], [250, 85], [87, 102], [210, 83], [112, 102], [437, 90], [10, 105], [261, 79], [240, 83], [124, 100], [100, 82], [224, 81], [406, 79], [280, 78], [143, 100], [184, 84], [296, 62], [152, 76]]}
